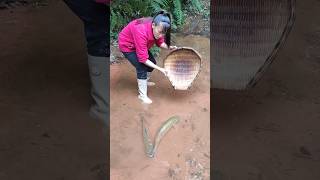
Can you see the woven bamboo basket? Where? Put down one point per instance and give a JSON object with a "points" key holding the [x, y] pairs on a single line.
{"points": [[183, 66], [246, 36]]}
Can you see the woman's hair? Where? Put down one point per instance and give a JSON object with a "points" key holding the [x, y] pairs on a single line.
{"points": [[164, 18]]}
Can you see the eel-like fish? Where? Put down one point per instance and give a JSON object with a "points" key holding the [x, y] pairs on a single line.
{"points": [[146, 139], [166, 126]]}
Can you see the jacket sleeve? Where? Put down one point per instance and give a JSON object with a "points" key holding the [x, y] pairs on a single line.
{"points": [[140, 41]]}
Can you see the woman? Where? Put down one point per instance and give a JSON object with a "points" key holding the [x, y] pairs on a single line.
{"points": [[137, 38]]}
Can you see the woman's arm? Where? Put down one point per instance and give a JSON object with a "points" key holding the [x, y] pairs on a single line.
{"points": [[151, 64], [165, 46]]}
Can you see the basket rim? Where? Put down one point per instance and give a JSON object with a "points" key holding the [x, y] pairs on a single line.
{"points": [[185, 48]]}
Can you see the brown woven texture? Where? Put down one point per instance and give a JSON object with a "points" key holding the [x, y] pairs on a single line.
{"points": [[183, 66], [249, 32]]}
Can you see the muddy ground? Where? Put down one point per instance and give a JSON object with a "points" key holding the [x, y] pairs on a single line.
{"points": [[184, 153], [272, 131], [45, 130], [269, 132]]}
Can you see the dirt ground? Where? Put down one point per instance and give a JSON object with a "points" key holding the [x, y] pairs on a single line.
{"points": [[184, 153], [269, 132], [272, 131], [45, 130]]}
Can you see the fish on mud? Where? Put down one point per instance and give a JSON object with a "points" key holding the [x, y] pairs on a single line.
{"points": [[146, 139], [166, 126]]}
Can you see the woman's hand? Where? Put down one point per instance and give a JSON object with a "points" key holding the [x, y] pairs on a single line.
{"points": [[164, 71], [173, 47], [165, 46]]}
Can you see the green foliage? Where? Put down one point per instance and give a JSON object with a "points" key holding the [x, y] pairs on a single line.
{"points": [[155, 50], [117, 22], [177, 12], [122, 12], [196, 5], [175, 9]]}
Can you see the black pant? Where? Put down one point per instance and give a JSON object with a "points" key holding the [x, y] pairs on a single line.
{"points": [[96, 20], [141, 68]]}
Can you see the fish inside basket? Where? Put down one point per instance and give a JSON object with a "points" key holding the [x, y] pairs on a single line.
{"points": [[183, 66]]}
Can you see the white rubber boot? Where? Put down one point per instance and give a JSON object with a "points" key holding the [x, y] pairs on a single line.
{"points": [[143, 89], [148, 78]]}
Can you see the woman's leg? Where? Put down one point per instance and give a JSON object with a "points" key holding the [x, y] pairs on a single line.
{"points": [[96, 22], [141, 70], [95, 17]]}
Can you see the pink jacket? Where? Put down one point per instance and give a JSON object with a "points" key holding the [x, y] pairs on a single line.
{"points": [[138, 37]]}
